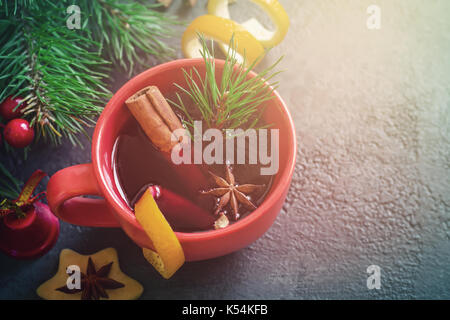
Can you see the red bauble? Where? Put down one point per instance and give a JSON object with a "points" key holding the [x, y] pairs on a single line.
{"points": [[7, 108], [18, 133], [29, 237]]}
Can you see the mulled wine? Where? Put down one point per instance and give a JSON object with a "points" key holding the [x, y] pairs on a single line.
{"points": [[138, 163]]}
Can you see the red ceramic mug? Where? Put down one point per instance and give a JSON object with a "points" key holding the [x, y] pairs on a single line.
{"points": [[67, 185]]}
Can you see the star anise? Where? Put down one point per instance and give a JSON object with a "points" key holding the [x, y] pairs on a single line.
{"points": [[94, 283], [228, 191]]}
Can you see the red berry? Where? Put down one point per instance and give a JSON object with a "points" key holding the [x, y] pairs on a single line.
{"points": [[7, 108], [18, 133]]}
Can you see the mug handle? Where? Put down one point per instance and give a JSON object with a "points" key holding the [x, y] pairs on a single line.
{"points": [[63, 195]]}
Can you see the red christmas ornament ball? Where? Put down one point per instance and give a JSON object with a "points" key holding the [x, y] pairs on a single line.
{"points": [[7, 111], [18, 133]]}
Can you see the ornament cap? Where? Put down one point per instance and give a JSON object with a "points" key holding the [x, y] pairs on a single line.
{"points": [[30, 239], [12, 222]]}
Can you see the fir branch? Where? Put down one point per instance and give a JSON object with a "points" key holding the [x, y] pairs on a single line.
{"points": [[233, 102], [61, 72], [53, 68], [129, 31]]}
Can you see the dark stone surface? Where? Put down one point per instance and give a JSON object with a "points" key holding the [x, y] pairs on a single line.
{"points": [[372, 180]]}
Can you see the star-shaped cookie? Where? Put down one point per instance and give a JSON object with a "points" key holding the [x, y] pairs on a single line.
{"points": [[49, 290]]}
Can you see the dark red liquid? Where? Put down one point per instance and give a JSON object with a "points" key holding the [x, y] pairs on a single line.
{"points": [[137, 163]]}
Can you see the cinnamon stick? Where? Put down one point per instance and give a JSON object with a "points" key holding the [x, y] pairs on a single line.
{"points": [[163, 108], [157, 119], [155, 116]]}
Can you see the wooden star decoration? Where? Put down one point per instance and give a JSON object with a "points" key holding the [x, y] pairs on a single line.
{"points": [[49, 290]]}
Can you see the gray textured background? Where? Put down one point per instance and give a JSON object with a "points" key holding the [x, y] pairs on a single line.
{"points": [[372, 179]]}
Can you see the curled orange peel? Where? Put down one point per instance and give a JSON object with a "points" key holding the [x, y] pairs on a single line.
{"points": [[167, 256], [272, 8], [222, 31]]}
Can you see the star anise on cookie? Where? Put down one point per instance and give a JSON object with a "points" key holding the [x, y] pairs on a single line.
{"points": [[94, 283], [229, 192]]}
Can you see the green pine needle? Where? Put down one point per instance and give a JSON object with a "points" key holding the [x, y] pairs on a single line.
{"points": [[9, 186], [234, 102]]}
